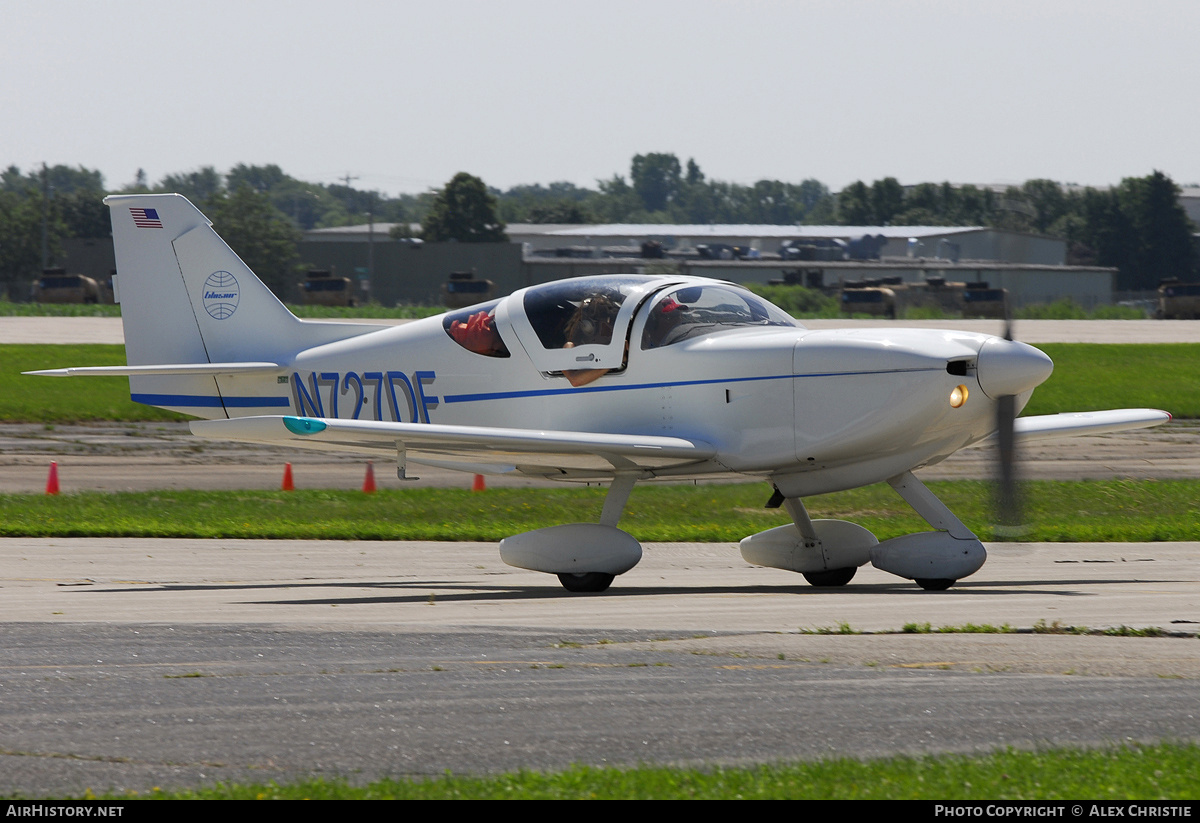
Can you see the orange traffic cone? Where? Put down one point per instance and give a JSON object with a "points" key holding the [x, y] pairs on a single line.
{"points": [[52, 479], [288, 485], [478, 485], [369, 480]]}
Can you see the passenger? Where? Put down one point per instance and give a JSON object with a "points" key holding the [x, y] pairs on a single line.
{"points": [[478, 334]]}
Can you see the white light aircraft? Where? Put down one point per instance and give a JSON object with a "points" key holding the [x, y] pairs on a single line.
{"points": [[615, 378]]}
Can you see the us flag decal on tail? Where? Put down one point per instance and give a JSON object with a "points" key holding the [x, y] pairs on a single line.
{"points": [[146, 218]]}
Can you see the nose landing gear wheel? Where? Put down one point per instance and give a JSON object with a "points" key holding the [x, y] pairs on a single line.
{"points": [[589, 582], [934, 584], [831, 577]]}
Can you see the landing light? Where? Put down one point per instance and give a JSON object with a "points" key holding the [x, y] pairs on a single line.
{"points": [[958, 396]]}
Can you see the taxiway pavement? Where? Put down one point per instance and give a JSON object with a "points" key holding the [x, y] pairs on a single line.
{"points": [[127, 664]]}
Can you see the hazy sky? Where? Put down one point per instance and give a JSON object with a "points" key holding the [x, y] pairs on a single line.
{"points": [[401, 95]]}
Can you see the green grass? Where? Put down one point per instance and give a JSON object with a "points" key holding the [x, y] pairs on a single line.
{"points": [[1086, 377], [965, 628], [25, 399], [926, 312], [1068, 309], [1102, 511], [8, 309], [798, 301], [1090, 376], [1147, 772], [805, 303]]}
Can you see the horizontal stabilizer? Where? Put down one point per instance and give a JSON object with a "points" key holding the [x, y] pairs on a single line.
{"points": [[214, 369], [530, 451], [1076, 424]]}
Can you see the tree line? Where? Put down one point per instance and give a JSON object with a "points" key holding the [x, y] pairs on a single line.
{"points": [[1137, 226]]}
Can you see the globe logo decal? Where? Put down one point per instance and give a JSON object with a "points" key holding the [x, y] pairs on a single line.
{"points": [[221, 295]]}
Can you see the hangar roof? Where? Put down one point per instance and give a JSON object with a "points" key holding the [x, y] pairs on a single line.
{"points": [[742, 230], [693, 230]]}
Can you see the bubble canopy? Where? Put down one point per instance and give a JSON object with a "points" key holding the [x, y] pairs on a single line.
{"points": [[588, 323]]}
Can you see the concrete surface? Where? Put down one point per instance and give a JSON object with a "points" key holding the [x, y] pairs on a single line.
{"points": [[127, 664]]}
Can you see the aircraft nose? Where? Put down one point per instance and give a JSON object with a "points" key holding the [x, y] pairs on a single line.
{"points": [[1008, 367]]}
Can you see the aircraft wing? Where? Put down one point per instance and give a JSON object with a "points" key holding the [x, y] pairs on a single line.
{"points": [[214, 369], [1076, 424], [469, 448]]}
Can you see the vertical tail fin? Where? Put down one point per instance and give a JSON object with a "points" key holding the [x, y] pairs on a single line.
{"points": [[187, 298]]}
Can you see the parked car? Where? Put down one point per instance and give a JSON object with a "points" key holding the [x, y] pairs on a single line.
{"points": [[462, 290], [1178, 300], [321, 288], [56, 286]]}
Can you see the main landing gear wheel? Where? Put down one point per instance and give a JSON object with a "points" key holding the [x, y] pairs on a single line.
{"points": [[934, 584], [589, 582], [831, 577]]}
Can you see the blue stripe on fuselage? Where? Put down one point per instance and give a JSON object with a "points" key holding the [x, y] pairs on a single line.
{"points": [[472, 398], [205, 401]]}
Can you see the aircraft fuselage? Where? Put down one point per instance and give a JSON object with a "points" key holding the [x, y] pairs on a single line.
{"points": [[813, 409]]}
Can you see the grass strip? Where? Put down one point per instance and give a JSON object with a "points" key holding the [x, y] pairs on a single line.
{"points": [[10, 309], [1100, 511], [1148, 772], [26, 399], [1093, 376]]}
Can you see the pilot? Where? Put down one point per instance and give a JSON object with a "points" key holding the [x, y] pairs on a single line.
{"points": [[592, 322], [664, 318], [478, 334]]}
